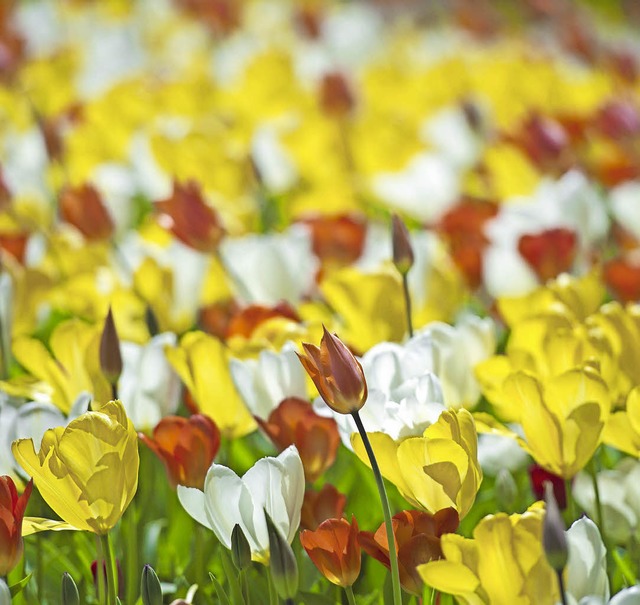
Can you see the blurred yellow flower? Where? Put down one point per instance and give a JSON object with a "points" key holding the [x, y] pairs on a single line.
{"points": [[435, 471], [623, 429], [86, 472], [69, 366], [503, 564], [202, 362], [562, 416]]}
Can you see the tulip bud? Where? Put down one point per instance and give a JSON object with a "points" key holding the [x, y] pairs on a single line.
{"points": [[337, 374], [283, 565], [152, 321], [150, 589], [506, 489], [240, 548], [554, 538], [5, 593], [70, 594], [402, 250], [110, 358]]}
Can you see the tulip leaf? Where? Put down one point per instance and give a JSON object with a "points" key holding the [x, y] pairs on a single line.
{"points": [[222, 595], [232, 576], [18, 587]]}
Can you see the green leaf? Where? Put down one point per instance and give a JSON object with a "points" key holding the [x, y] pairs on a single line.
{"points": [[18, 587], [222, 595]]}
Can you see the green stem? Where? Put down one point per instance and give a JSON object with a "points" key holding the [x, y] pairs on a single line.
{"points": [[100, 565], [563, 596], [350, 596], [110, 564], [596, 490], [393, 555], [571, 507], [624, 568], [407, 303], [199, 567], [131, 526], [39, 568], [245, 586]]}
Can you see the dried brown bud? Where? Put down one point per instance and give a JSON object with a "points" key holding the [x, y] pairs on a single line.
{"points": [[110, 358], [402, 250]]}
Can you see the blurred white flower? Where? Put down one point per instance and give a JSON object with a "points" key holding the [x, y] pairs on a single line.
{"points": [[619, 496], [5, 593], [264, 382], [496, 452], [148, 386], [274, 485], [269, 268], [625, 206]]}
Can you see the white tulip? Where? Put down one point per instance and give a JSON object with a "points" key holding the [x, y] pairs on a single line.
{"points": [[269, 268], [5, 593], [148, 386], [264, 382], [274, 485]]}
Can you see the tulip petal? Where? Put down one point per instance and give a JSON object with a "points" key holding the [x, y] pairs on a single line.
{"points": [[451, 578], [33, 525], [193, 501]]}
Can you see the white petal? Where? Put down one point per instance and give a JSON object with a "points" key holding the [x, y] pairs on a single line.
{"points": [[193, 501], [587, 566]]}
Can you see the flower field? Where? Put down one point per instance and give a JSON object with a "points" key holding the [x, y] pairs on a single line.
{"points": [[320, 302]]}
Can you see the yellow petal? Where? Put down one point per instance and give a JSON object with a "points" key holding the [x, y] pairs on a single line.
{"points": [[34, 525], [450, 578]]}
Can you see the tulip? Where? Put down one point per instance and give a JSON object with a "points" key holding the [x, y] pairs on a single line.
{"points": [[438, 470], [318, 506], [188, 216], [502, 563], [337, 374], [275, 484], [623, 429], [562, 417], [554, 539], [83, 208], [5, 593], [186, 447], [417, 536], [202, 363], [86, 472], [240, 549], [12, 509], [334, 550], [264, 382], [316, 438], [402, 251]]}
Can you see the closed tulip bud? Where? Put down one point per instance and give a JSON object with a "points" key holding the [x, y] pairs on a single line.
{"points": [[152, 321], [506, 489], [150, 589], [70, 594], [283, 565], [12, 507], [110, 358], [240, 548], [554, 538], [337, 374], [402, 250]]}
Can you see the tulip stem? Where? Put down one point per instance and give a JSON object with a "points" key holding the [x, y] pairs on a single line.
{"points": [[596, 490], [563, 596], [571, 507], [393, 554], [350, 596], [407, 302], [110, 564]]}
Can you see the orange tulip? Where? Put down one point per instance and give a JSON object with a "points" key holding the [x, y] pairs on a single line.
{"points": [[337, 374], [317, 438], [549, 253], [334, 550], [12, 509], [318, 506], [82, 207], [417, 537], [190, 218], [186, 447]]}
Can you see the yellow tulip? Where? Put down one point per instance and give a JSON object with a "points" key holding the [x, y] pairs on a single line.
{"points": [[435, 471], [72, 366], [86, 472], [623, 429], [202, 362], [545, 345], [563, 417], [503, 564], [579, 297]]}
